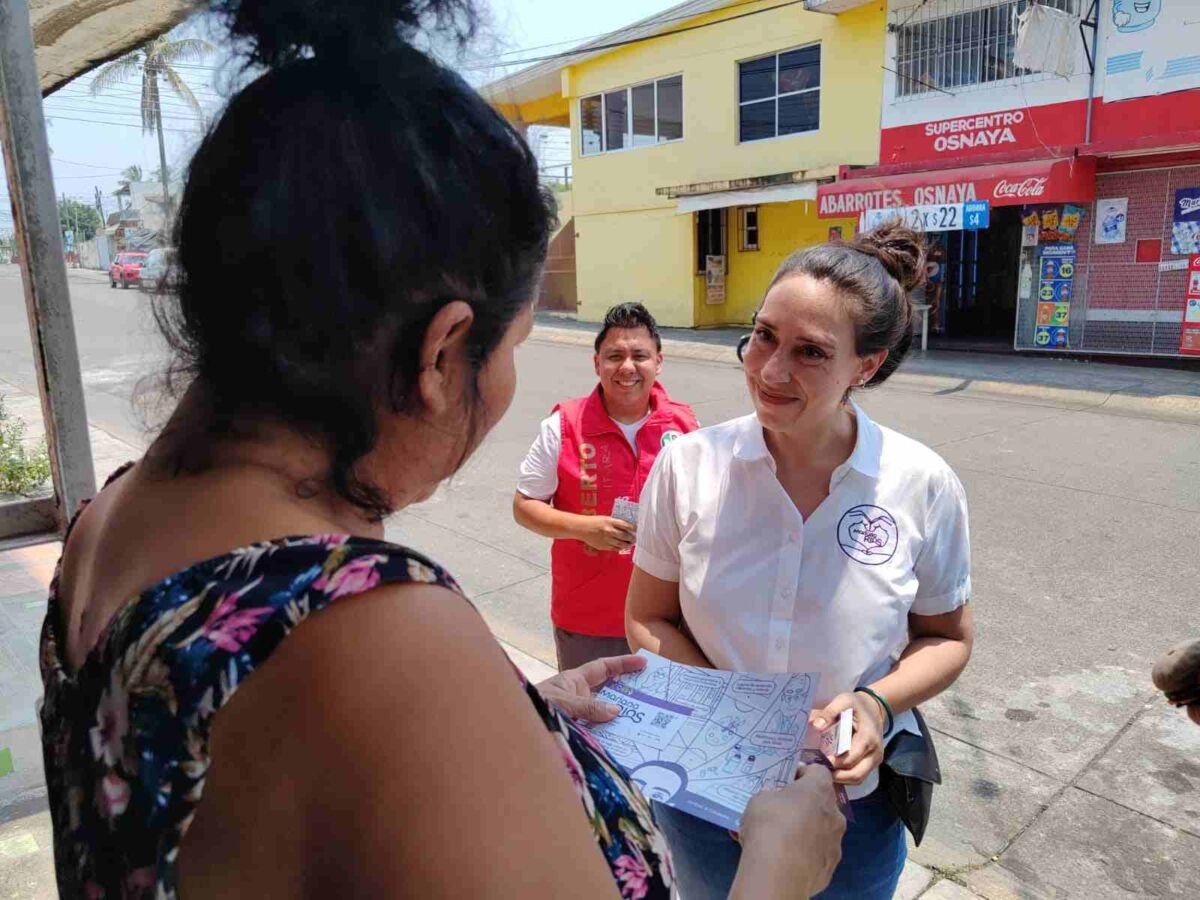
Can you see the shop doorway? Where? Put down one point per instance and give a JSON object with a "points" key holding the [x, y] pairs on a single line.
{"points": [[975, 275]]}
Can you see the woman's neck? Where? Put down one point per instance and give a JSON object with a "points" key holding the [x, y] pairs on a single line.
{"points": [[264, 451], [825, 445]]}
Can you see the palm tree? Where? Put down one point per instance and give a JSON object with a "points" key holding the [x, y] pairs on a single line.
{"points": [[129, 175], [156, 59]]}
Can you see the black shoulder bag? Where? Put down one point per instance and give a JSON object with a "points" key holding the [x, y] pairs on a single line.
{"points": [[910, 770]]}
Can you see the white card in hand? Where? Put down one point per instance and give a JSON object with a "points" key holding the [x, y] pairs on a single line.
{"points": [[625, 510], [835, 740]]}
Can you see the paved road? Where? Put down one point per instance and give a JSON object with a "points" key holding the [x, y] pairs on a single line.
{"points": [[1059, 760], [118, 346]]}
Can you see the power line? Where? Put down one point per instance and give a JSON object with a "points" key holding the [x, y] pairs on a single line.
{"points": [[589, 37], [132, 88], [166, 100], [193, 133], [650, 37], [105, 111], [85, 165]]}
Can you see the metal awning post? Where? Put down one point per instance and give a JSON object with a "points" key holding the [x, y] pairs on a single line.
{"points": [[44, 275]]}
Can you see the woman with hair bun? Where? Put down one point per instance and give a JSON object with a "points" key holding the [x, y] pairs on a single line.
{"points": [[248, 691], [807, 538]]}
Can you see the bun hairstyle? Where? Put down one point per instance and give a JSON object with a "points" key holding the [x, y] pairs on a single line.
{"points": [[876, 271], [280, 31], [341, 200]]}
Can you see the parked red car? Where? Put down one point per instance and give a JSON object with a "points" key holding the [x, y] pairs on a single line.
{"points": [[126, 270]]}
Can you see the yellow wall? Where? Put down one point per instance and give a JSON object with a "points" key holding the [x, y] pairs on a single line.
{"points": [[648, 256], [619, 216], [782, 228]]}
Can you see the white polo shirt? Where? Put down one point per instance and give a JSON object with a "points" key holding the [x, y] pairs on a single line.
{"points": [[763, 590]]}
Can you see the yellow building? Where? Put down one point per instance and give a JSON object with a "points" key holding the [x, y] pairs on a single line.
{"points": [[698, 139]]}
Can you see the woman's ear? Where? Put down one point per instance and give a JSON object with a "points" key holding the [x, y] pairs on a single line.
{"points": [[444, 357], [869, 365]]}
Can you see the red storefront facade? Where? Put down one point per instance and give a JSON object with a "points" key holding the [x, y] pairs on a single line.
{"points": [[1094, 203]]}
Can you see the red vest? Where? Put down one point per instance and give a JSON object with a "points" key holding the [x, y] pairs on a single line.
{"points": [[596, 466]]}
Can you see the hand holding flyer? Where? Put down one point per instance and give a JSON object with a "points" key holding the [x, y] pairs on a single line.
{"points": [[706, 741]]}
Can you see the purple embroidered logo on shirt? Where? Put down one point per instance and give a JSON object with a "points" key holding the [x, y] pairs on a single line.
{"points": [[868, 534]]}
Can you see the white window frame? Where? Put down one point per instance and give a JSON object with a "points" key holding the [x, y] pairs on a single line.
{"points": [[746, 245], [737, 72], [628, 89]]}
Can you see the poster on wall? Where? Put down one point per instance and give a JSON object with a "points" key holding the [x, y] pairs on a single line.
{"points": [[1110, 220], [1056, 267], [1189, 337], [1149, 48], [714, 280], [1185, 228]]}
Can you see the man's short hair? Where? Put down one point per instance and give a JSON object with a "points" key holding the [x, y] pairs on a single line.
{"points": [[629, 315]]}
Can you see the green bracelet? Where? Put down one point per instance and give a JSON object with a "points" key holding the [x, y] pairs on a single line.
{"points": [[887, 707]]}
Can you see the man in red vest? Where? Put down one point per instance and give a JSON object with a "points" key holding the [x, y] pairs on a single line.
{"points": [[582, 478]]}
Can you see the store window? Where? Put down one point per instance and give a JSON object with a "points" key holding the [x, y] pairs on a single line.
{"points": [[637, 116], [710, 236], [779, 94], [936, 51], [749, 228]]}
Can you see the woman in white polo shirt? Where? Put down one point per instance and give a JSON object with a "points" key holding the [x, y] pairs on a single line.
{"points": [[805, 537]]}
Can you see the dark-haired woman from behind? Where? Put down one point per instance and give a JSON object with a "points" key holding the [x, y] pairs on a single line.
{"points": [[807, 538], [248, 692]]}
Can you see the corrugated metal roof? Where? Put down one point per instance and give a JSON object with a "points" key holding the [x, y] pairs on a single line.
{"points": [[71, 37]]}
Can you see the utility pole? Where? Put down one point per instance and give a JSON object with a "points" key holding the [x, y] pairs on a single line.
{"points": [[64, 225], [100, 204]]}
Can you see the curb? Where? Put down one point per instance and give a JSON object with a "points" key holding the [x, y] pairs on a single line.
{"points": [[1181, 408]]}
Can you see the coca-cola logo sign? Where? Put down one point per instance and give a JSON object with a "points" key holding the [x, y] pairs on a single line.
{"points": [[1030, 187]]}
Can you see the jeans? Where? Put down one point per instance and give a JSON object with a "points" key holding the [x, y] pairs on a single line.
{"points": [[873, 853]]}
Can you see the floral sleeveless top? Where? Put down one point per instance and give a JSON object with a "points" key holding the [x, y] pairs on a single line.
{"points": [[126, 738]]}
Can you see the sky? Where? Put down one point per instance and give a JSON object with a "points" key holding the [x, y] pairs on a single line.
{"points": [[93, 138]]}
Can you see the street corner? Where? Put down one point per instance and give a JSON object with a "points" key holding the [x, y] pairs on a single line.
{"points": [[984, 802], [1153, 768], [1054, 722], [1088, 847]]}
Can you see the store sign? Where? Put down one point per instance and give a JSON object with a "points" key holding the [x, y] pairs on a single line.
{"points": [[1189, 338], [1017, 184], [984, 134], [971, 216], [1056, 280]]}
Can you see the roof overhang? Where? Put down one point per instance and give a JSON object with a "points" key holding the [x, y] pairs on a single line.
{"points": [[71, 37], [833, 7], [779, 193]]}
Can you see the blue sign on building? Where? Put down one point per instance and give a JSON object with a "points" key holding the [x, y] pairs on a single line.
{"points": [[976, 215]]}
